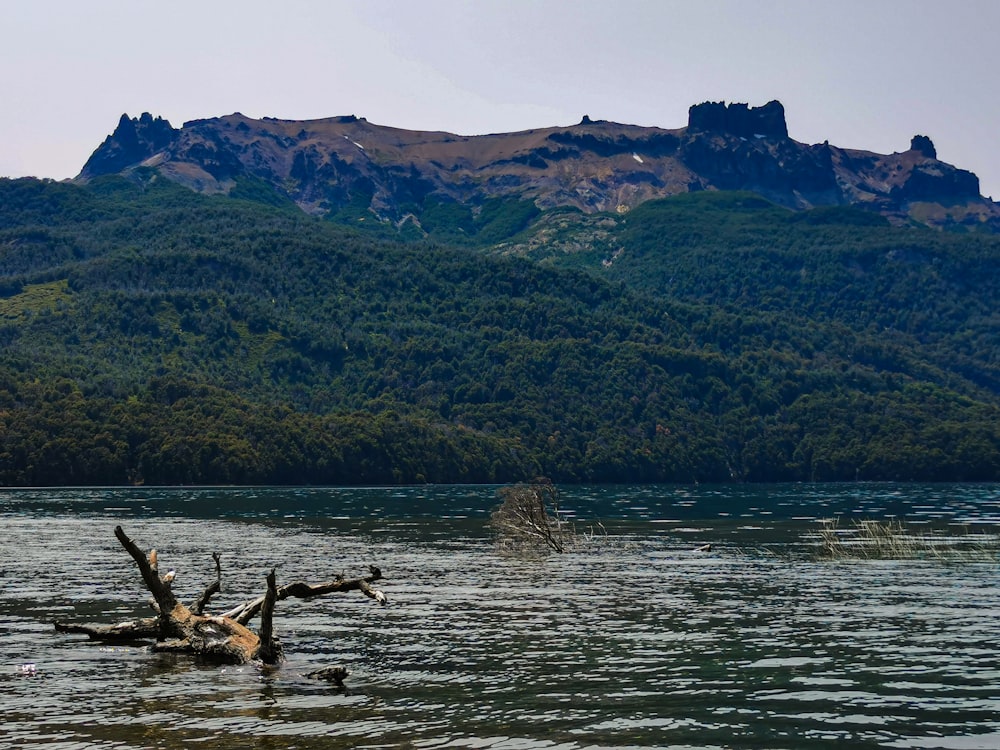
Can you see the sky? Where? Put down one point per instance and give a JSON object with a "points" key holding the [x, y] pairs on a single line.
{"points": [[861, 74]]}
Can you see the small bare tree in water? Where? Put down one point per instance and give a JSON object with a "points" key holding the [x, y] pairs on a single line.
{"points": [[524, 520]]}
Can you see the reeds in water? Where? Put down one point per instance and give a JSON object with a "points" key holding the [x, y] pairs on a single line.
{"points": [[893, 540]]}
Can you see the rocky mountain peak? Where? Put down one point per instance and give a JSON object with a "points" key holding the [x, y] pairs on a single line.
{"points": [[739, 120], [134, 140], [923, 145]]}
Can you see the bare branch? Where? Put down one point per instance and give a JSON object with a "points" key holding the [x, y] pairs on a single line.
{"points": [[524, 515], [199, 604], [301, 590], [131, 630], [161, 592], [269, 650]]}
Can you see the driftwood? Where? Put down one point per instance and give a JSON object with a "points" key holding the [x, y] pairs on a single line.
{"points": [[178, 628], [129, 630]]}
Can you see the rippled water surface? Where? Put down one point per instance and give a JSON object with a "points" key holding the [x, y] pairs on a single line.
{"points": [[633, 639]]}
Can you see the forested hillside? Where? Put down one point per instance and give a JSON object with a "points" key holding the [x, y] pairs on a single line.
{"points": [[150, 334], [919, 294]]}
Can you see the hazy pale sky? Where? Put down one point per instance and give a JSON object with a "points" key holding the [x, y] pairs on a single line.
{"points": [[865, 74]]}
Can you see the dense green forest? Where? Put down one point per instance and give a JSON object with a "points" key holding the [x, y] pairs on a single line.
{"points": [[150, 334]]}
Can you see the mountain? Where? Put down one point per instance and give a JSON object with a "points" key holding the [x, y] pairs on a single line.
{"points": [[149, 333], [350, 169], [335, 302]]}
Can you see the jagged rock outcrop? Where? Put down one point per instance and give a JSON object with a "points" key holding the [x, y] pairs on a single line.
{"points": [[133, 141], [348, 167], [923, 145], [740, 120]]}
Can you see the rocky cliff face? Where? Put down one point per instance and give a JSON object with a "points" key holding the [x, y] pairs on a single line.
{"points": [[133, 141], [327, 165], [736, 147], [739, 119]]}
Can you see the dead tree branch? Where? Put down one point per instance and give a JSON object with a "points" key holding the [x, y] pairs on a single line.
{"points": [[269, 649], [199, 604], [180, 629], [158, 587], [245, 612], [524, 518], [121, 632]]}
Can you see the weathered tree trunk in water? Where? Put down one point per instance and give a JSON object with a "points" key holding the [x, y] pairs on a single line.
{"points": [[225, 638]]}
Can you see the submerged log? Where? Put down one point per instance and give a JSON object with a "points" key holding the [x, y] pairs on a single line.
{"points": [[225, 638], [336, 675]]}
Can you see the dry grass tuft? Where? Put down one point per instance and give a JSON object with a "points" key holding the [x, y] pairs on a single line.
{"points": [[893, 540]]}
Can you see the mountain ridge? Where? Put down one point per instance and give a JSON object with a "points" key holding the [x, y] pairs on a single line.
{"points": [[392, 174]]}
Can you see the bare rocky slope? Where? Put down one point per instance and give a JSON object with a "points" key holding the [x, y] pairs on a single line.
{"points": [[391, 174]]}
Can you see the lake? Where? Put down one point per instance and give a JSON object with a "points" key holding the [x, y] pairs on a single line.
{"points": [[634, 639]]}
